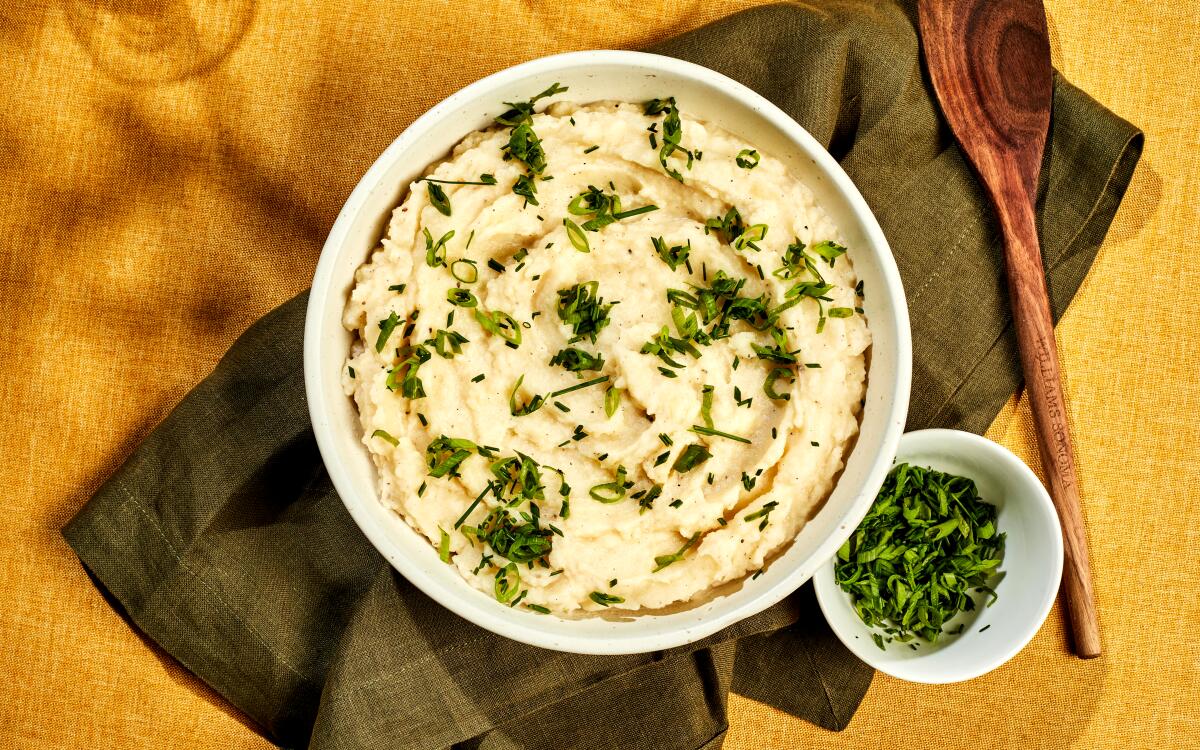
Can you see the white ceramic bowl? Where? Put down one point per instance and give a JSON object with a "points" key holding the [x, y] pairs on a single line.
{"points": [[592, 76], [1032, 567]]}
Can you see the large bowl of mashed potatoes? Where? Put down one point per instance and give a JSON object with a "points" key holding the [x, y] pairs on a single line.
{"points": [[605, 353]]}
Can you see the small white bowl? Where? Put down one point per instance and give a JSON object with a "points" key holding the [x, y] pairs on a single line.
{"points": [[594, 76], [1032, 568]]}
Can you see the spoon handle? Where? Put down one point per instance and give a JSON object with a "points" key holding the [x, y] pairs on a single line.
{"points": [[1043, 383]]}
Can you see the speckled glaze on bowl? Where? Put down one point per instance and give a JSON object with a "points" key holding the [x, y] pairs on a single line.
{"points": [[592, 76]]}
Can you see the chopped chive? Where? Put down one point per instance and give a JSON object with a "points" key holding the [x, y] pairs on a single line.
{"points": [[702, 430], [437, 197], [386, 327], [663, 561], [578, 239], [384, 435], [691, 457], [612, 401], [747, 158], [584, 384], [604, 599], [468, 276]]}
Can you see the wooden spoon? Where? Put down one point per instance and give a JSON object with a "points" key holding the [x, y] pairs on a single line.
{"points": [[990, 65]]}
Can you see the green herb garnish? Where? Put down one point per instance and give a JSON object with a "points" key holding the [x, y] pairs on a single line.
{"points": [[469, 273], [672, 132], [829, 250], [611, 492], [523, 144], [605, 599], [578, 239], [926, 544], [508, 580], [663, 561], [691, 457], [578, 386], [404, 375], [386, 327], [612, 401], [435, 252], [437, 197], [702, 430], [582, 308], [769, 384], [529, 407], [734, 232], [747, 158], [673, 256], [461, 297], [484, 179], [517, 541], [444, 547], [500, 324], [764, 513], [445, 454], [385, 435], [604, 209], [573, 359], [706, 403]]}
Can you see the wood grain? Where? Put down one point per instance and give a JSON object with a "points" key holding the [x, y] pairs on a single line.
{"points": [[990, 65]]}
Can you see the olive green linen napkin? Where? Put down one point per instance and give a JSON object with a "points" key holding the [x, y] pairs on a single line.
{"points": [[222, 539]]}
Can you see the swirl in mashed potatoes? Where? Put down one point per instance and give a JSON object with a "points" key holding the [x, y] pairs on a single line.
{"points": [[608, 356]]}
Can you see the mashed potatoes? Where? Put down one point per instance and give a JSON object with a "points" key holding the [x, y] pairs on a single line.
{"points": [[624, 394]]}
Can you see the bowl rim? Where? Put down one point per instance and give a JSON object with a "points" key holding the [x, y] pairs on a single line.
{"points": [[632, 642], [959, 441]]}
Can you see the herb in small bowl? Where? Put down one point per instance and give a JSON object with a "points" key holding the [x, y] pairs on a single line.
{"points": [[927, 549], [962, 544]]}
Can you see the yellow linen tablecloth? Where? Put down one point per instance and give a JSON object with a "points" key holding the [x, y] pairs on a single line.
{"points": [[146, 146]]}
